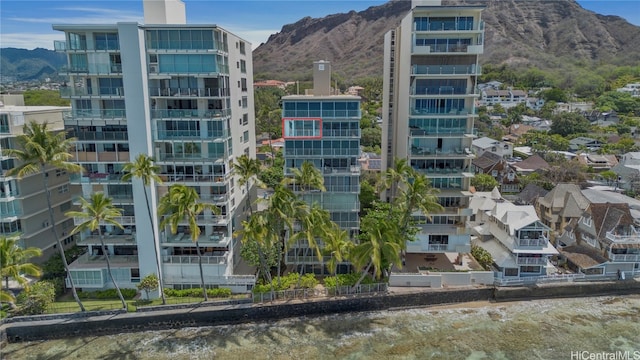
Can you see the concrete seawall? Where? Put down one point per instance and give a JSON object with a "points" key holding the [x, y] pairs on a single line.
{"points": [[243, 313]]}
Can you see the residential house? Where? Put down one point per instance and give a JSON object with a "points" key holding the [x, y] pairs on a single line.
{"points": [[529, 165], [514, 236], [530, 194], [535, 103], [633, 89], [494, 165], [628, 171], [370, 161], [598, 162], [494, 85], [608, 230], [515, 132], [486, 144], [270, 83], [563, 203], [582, 143], [506, 98]]}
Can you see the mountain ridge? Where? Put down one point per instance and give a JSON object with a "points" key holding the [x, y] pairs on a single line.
{"points": [[545, 34]]}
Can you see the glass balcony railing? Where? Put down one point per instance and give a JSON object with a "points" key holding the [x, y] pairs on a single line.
{"points": [[446, 70], [442, 90], [190, 113], [443, 111], [96, 114], [448, 48], [99, 45], [83, 91], [94, 135], [190, 134], [322, 114], [341, 133], [198, 92], [93, 68]]}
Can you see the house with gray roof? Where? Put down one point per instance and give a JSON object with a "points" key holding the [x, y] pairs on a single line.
{"points": [[514, 236], [604, 241], [486, 144], [584, 143], [563, 203]]}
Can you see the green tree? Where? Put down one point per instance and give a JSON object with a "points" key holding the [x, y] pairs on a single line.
{"points": [[14, 262], [484, 182], [35, 299], [149, 283], [621, 102], [182, 204], [378, 242], [96, 212], [247, 169], [554, 94], [259, 244], [44, 98], [144, 169], [416, 194], [306, 178], [367, 196], [371, 136], [38, 151], [338, 246], [568, 123]]}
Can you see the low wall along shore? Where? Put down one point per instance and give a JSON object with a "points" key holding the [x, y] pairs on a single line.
{"points": [[243, 313]]}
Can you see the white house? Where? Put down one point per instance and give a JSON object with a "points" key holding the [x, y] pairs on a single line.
{"points": [[501, 148]]}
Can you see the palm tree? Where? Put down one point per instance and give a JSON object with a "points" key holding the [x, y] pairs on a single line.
{"points": [[337, 245], [417, 194], [180, 204], [379, 244], [99, 210], [39, 148], [395, 176], [314, 222], [257, 230], [14, 263], [307, 178], [143, 168], [247, 168]]}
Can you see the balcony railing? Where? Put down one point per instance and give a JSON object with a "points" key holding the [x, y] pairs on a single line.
{"points": [[540, 242], [70, 91], [95, 178], [441, 90], [123, 220], [109, 114], [453, 26], [420, 150], [623, 239], [206, 260], [322, 152], [322, 113], [446, 70], [448, 49], [114, 259], [190, 113], [60, 45], [531, 260], [187, 92], [624, 257], [443, 111], [93, 68], [437, 132], [190, 134], [341, 133]]}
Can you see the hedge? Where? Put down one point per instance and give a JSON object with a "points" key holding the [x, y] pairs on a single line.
{"points": [[290, 281], [107, 294], [197, 292]]}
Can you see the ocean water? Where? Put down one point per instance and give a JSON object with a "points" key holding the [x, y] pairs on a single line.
{"points": [[538, 329]]}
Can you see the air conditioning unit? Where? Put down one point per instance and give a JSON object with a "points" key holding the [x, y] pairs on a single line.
{"points": [[45, 223], [153, 68]]}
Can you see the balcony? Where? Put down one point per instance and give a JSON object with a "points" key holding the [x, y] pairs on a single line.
{"points": [[188, 92], [349, 170], [321, 114], [81, 46], [425, 91], [98, 261], [191, 134], [108, 114], [182, 178], [443, 111], [214, 239], [322, 152], [94, 135], [539, 242], [123, 220], [350, 133], [123, 239], [215, 198], [624, 257], [74, 91], [85, 178], [190, 113], [447, 26], [446, 70], [448, 49], [453, 152], [91, 69], [102, 156], [185, 259], [633, 238], [521, 260]]}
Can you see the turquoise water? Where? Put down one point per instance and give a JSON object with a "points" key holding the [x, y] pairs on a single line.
{"points": [[540, 329]]}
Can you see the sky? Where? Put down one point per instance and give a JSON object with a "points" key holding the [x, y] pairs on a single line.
{"points": [[27, 23]]}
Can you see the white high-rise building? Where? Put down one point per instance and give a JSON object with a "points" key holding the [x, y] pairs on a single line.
{"points": [[180, 93], [430, 71]]}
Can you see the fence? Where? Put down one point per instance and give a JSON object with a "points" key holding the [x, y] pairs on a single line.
{"points": [[316, 293], [539, 279]]}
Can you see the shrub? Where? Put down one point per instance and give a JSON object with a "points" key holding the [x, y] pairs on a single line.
{"points": [[107, 294], [35, 299], [349, 279], [197, 292], [287, 282], [482, 256], [148, 283]]}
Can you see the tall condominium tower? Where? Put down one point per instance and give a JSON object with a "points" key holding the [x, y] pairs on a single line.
{"points": [[23, 210], [324, 129], [181, 94], [430, 70]]}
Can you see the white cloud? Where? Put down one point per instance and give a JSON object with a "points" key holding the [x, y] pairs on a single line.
{"points": [[81, 15], [29, 41]]}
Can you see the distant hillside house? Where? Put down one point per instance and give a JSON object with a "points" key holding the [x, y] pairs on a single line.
{"points": [[582, 143], [506, 98], [598, 162], [633, 89], [270, 83]]}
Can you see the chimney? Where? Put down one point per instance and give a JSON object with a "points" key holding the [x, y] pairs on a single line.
{"points": [[164, 12], [321, 78]]}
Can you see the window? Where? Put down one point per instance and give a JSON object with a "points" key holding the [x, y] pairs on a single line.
{"points": [[243, 81], [242, 47], [65, 207], [63, 189], [302, 128], [243, 66], [511, 272], [4, 123], [245, 119], [245, 102], [245, 136], [60, 172]]}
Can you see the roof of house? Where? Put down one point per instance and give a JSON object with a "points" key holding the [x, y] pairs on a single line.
{"points": [[530, 193], [607, 161], [558, 196], [581, 140], [607, 217], [485, 142], [534, 162], [486, 160], [519, 129], [582, 256]]}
